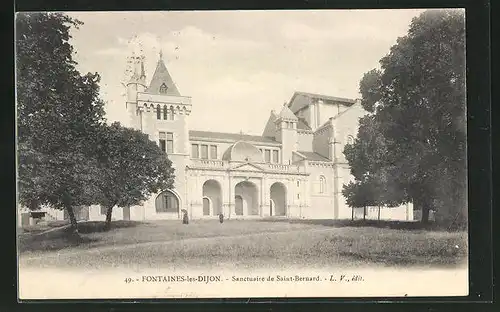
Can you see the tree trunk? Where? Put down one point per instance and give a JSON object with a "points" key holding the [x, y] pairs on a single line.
{"points": [[379, 213], [352, 213], [425, 214], [72, 218], [364, 213], [109, 212]]}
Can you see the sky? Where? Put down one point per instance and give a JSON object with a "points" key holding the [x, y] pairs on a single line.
{"points": [[238, 65]]}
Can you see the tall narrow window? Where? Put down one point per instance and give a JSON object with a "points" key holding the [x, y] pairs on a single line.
{"points": [[158, 112], [163, 88], [195, 151], [170, 143], [165, 112], [172, 113], [204, 152], [213, 151], [163, 142], [268, 156], [275, 156], [322, 183]]}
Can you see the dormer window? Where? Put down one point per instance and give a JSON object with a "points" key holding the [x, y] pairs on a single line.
{"points": [[163, 88], [350, 139]]}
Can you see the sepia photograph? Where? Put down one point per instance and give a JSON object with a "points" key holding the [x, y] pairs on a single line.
{"points": [[241, 154]]}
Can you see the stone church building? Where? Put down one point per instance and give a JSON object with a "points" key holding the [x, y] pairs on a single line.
{"points": [[295, 169]]}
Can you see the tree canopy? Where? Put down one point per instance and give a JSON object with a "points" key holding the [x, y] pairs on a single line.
{"points": [[131, 167], [59, 114], [68, 156], [415, 139]]}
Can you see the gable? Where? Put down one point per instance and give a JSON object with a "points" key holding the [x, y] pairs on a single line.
{"points": [[353, 113], [247, 167]]}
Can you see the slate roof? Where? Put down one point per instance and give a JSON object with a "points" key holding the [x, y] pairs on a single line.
{"points": [[161, 76], [303, 125], [325, 97], [314, 156], [230, 136], [286, 113]]}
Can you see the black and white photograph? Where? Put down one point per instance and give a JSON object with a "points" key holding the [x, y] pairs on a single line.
{"points": [[241, 154]]}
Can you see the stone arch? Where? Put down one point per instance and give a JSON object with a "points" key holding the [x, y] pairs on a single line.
{"points": [[249, 194], [212, 190], [168, 201], [278, 199]]}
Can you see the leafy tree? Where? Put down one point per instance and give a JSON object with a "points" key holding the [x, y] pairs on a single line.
{"points": [[131, 167], [59, 114], [369, 87], [360, 194], [419, 95]]}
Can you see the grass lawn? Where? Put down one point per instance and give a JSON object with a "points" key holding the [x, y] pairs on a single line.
{"points": [[244, 244]]}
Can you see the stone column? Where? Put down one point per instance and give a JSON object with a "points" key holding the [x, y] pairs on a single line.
{"points": [[265, 196], [231, 194]]}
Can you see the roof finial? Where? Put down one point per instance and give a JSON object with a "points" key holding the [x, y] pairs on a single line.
{"points": [[143, 72], [161, 55]]}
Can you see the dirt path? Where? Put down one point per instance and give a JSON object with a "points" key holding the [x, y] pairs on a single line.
{"points": [[97, 250]]}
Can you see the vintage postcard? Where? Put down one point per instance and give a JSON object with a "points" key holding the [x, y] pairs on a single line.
{"points": [[241, 154]]}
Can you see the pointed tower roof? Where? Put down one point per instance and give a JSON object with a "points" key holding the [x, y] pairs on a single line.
{"points": [[286, 113], [161, 78]]}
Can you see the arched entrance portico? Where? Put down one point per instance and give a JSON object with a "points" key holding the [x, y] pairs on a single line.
{"points": [[278, 199], [212, 198], [246, 199]]}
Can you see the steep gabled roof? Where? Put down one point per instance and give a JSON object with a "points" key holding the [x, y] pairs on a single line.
{"points": [[230, 136], [327, 97], [313, 156], [160, 77], [286, 113]]}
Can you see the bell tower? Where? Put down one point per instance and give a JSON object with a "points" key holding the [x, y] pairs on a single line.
{"points": [[286, 128], [136, 84]]}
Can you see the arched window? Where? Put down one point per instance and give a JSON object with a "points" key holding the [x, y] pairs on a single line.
{"points": [[350, 139], [165, 112], [167, 202], [172, 113], [158, 112], [163, 88], [322, 184]]}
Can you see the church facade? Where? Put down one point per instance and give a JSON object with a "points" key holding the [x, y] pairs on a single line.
{"points": [[295, 169]]}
